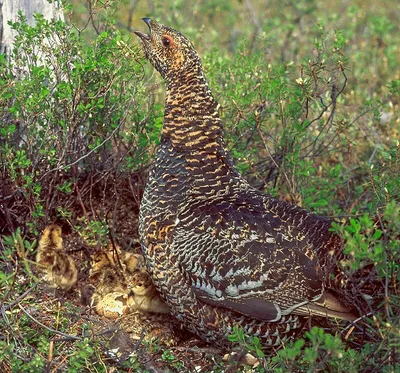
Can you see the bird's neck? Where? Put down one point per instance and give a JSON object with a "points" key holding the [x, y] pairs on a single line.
{"points": [[191, 120], [192, 132]]}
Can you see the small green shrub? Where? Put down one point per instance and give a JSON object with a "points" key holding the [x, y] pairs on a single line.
{"points": [[319, 351], [75, 113], [368, 241], [248, 343], [16, 250]]}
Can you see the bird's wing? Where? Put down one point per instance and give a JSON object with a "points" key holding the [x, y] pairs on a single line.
{"points": [[245, 258]]}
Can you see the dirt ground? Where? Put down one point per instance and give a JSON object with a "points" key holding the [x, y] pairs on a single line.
{"points": [[157, 341]]}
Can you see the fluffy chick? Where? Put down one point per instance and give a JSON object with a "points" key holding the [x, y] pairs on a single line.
{"points": [[121, 284], [59, 267], [132, 262], [105, 275], [111, 296], [129, 262], [145, 296]]}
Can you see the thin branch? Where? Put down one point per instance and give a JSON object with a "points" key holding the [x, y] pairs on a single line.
{"points": [[48, 328], [22, 296], [84, 156]]}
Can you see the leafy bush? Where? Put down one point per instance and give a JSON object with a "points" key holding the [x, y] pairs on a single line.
{"points": [[75, 114], [285, 122]]}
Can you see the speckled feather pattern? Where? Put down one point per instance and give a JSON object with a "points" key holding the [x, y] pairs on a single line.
{"points": [[220, 252], [54, 261]]}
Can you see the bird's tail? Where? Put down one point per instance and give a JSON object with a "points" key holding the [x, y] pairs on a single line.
{"points": [[329, 305]]}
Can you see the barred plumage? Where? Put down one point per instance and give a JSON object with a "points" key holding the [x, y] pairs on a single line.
{"points": [[220, 252]]}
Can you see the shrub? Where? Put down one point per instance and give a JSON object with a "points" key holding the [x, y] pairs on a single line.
{"points": [[76, 115]]}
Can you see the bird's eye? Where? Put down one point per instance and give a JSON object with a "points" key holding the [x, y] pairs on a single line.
{"points": [[167, 41]]}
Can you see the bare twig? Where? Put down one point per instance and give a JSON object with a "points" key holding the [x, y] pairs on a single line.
{"points": [[48, 328], [91, 18], [56, 368], [84, 156], [132, 7], [255, 21], [22, 296]]}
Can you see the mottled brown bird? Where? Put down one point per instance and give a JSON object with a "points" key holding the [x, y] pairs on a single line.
{"points": [[105, 275], [145, 296], [110, 296], [118, 284], [54, 261], [220, 252]]}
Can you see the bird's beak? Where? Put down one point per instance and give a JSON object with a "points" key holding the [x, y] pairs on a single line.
{"points": [[142, 35]]}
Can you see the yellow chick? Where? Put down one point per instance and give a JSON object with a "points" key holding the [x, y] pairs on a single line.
{"points": [[129, 262], [121, 284], [105, 275], [145, 296], [132, 262], [111, 295], [59, 267]]}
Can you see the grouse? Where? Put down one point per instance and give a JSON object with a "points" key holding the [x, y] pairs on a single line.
{"points": [[59, 267], [220, 252], [118, 284], [145, 297]]}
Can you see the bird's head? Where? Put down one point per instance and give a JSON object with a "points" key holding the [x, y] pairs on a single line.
{"points": [[52, 236], [170, 52]]}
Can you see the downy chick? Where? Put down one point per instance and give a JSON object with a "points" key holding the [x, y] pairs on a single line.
{"points": [[111, 295], [54, 261], [145, 296], [105, 274], [130, 262]]}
